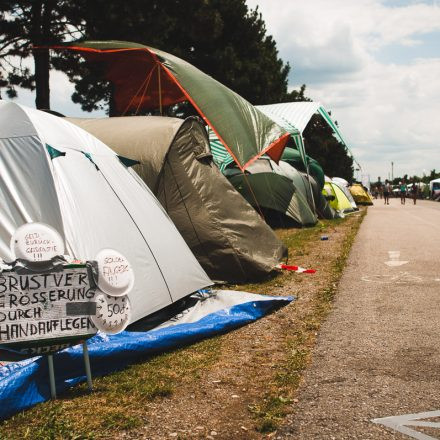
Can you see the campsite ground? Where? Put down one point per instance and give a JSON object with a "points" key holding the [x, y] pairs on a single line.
{"points": [[240, 385]]}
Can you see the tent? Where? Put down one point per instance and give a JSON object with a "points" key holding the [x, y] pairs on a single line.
{"points": [[54, 172], [145, 79], [293, 157], [298, 115], [299, 179], [338, 200], [309, 187], [274, 190], [322, 205], [359, 194], [227, 236], [434, 189], [343, 184], [340, 181]]}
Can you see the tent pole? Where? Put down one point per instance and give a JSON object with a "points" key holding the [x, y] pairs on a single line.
{"points": [[308, 177], [160, 89]]}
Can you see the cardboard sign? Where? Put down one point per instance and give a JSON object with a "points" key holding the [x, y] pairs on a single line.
{"points": [[46, 309]]}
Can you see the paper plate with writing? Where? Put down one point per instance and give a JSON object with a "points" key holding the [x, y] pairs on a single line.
{"points": [[36, 242], [113, 314], [116, 276]]}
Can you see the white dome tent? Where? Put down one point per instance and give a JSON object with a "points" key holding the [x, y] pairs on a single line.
{"points": [[56, 173]]}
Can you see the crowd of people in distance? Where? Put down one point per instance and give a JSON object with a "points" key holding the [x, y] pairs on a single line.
{"points": [[385, 191]]}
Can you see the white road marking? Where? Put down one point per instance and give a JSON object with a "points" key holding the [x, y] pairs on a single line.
{"points": [[401, 277], [395, 263], [401, 423], [394, 259]]}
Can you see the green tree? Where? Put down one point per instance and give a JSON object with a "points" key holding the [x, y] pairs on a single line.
{"points": [[327, 150], [25, 26], [296, 95]]}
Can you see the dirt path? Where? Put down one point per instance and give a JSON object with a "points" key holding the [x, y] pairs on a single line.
{"points": [[378, 352]]}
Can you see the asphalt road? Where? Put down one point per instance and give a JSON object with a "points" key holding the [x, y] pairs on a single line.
{"points": [[378, 353]]}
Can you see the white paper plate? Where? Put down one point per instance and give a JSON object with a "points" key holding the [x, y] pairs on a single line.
{"points": [[36, 242], [116, 276], [113, 314]]}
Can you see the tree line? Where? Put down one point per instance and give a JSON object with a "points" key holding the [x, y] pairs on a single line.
{"points": [[223, 38], [425, 178]]}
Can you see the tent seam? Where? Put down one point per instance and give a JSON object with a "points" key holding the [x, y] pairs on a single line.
{"points": [[137, 227]]}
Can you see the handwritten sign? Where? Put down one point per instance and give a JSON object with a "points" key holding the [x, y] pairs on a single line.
{"points": [[116, 276], [36, 242], [51, 309], [113, 314]]}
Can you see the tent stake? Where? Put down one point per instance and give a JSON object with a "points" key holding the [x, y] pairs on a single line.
{"points": [[87, 365], [53, 391]]}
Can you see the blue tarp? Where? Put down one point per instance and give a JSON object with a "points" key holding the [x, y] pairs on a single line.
{"points": [[26, 383]]}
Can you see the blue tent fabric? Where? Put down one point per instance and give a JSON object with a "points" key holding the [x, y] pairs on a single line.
{"points": [[26, 383]]}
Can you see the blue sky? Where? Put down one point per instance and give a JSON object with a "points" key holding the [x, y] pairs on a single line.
{"points": [[376, 65], [428, 46]]}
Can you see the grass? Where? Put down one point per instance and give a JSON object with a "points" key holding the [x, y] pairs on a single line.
{"points": [[122, 402], [119, 401], [277, 401]]}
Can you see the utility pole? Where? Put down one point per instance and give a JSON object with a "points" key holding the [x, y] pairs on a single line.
{"points": [[392, 171]]}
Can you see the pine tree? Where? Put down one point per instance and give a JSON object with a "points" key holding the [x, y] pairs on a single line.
{"points": [[26, 27]]}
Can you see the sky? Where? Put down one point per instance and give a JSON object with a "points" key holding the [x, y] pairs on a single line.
{"points": [[375, 64]]}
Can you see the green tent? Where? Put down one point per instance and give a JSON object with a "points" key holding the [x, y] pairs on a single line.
{"points": [[277, 191], [146, 79], [293, 157]]}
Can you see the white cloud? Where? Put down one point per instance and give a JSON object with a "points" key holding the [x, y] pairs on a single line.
{"points": [[386, 111]]}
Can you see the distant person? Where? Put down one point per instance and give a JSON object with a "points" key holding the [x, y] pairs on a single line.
{"points": [[380, 188], [403, 189], [414, 192], [386, 192]]}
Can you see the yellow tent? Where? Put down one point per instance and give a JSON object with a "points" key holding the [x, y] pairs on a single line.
{"points": [[360, 196], [338, 200]]}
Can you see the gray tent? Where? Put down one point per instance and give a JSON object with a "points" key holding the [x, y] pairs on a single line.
{"points": [[229, 239]]}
